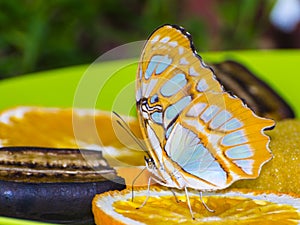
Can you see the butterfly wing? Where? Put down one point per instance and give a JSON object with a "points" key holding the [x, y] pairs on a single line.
{"points": [[171, 80], [218, 140]]}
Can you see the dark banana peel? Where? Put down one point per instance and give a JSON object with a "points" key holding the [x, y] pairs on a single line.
{"points": [[260, 97], [53, 185]]}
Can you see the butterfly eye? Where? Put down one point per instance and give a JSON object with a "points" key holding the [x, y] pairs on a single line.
{"points": [[149, 162]]}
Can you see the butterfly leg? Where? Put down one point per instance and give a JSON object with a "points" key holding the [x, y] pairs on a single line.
{"points": [[188, 202], [133, 182], [148, 194], [203, 203], [177, 200]]}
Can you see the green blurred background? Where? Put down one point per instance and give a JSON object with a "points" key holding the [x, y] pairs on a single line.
{"points": [[39, 35]]}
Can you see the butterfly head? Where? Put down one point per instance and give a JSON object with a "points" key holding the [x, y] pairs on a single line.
{"points": [[150, 164]]}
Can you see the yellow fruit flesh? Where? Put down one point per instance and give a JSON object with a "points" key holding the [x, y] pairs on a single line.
{"points": [[228, 210], [52, 127]]}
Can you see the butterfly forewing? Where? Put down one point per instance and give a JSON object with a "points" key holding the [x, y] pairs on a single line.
{"points": [[170, 75], [198, 135]]}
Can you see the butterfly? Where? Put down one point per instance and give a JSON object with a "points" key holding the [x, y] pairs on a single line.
{"points": [[198, 136]]}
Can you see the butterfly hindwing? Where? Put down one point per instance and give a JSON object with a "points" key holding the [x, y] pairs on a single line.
{"points": [[219, 140]]}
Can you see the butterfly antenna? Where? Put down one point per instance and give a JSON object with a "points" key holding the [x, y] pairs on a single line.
{"points": [[204, 204], [134, 180], [127, 129]]}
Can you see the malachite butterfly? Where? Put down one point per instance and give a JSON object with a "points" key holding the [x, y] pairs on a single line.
{"points": [[198, 135]]}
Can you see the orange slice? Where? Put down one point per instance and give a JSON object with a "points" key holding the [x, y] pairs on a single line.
{"points": [[233, 207], [54, 127]]}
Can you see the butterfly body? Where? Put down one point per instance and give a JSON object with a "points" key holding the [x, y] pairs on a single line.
{"points": [[198, 136]]}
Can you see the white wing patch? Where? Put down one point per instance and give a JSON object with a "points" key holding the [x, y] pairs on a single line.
{"points": [[173, 111], [232, 124], [183, 61], [221, 118], [234, 138], [202, 85], [193, 72], [245, 165], [240, 152], [196, 109], [173, 85], [165, 39], [157, 65], [209, 113], [195, 158]]}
